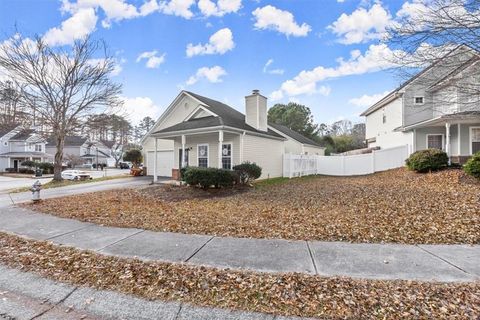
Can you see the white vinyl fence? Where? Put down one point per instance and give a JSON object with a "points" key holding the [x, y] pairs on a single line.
{"points": [[380, 160]]}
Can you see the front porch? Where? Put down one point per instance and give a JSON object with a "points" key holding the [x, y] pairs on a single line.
{"points": [[206, 148], [457, 135], [14, 160]]}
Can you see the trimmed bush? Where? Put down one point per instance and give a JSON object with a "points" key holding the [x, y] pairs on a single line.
{"points": [[247, 172], [207, 177], [29, 163], [47, 167], [25, 170], [427, 160], [472, 167]]}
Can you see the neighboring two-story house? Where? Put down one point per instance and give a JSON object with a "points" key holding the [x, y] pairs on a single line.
{"points": [[89, 151], [434, 109], [20, 144]]}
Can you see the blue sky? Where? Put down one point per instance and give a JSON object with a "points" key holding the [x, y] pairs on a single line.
{"points": [[325, 54]]}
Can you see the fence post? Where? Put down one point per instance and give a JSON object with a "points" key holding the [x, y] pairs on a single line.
{"points": [[373, 161], [291, 165]]}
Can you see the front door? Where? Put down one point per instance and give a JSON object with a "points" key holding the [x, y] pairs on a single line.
{"points": [[180, 153], [15, 165]]}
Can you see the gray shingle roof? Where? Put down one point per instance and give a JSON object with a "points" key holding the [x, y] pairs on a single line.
{"points": [[70, 141], [227, 116], [23, 134], [294, 135]]}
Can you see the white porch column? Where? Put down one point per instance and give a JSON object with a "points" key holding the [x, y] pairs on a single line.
{"points": [[459, 145], [184, 140], [155, 175], [414, 142], [447, 141], [220, 142], [242, 136]]}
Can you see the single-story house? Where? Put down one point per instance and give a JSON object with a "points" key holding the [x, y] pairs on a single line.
{"points": [[198, 131]]}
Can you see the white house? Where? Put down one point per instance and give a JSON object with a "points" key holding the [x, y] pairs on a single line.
{"points": [[89, 151], [429, 110], [20, 144], [199, 131]]}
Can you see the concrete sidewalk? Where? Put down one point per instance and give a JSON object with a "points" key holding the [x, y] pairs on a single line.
{"points": [[29, 296], [129, 182], [444, 263]]}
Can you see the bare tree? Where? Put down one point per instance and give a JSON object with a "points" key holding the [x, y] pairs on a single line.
{"points": [[444, 34], [117, 153], [64, 85], [74, 160]]}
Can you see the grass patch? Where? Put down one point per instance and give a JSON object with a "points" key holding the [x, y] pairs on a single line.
{"points": [[64, 183]]}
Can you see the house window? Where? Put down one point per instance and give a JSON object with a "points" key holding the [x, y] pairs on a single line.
{"points": [[227, 156], [203, 155], [435, 141], [475, 139], [418, 100], [38, 147]]}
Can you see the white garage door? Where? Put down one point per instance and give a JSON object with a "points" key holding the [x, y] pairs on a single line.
{"points": [[164, 163]]}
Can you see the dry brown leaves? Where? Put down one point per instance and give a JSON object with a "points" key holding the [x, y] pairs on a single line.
{"points": [[394, 206], [284, 294]]}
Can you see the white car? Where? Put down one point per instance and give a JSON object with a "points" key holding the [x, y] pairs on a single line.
{"points": [[75, 175]]}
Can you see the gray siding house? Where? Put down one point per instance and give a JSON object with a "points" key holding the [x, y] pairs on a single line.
{"points": [[432, 110]]}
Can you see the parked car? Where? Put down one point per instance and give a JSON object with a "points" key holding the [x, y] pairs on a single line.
{"points": [[124, 165], [75, 175]]}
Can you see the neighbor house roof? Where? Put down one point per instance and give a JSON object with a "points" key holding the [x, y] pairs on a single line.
{"points": [[22, 135], [294, 135], [108, 143], [6, 129], [23, 154], [225, 116], [70, 141], [394, 94]]}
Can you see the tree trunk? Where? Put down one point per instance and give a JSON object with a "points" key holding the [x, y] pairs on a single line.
{"points": [[57, 169]]}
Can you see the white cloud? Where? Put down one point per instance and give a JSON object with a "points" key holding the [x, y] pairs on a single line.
{"points": [[219, 43], [362, 25], [140, 107], [271, 71], [367, 100], [219, 9], [212, 74], [149, 7], [282, 21], [115, 10], [79, 25], [376, 57], [154, 60], [179, 8]]}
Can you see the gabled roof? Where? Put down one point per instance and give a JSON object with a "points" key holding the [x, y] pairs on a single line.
{"points": [[70, 141], [225, 116], [108, 143], [394, 94], [6, 129], [294, 135], [23, 135]]}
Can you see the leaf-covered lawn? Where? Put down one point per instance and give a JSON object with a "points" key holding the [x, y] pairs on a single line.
{"points": [[283, 294], [394, 206]]}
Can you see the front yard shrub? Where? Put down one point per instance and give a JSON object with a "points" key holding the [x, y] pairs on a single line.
{"points": [[248, 171], [207, 177], [47, 167], [29, 163], [427, 160], [25, 170], [472, 167]]}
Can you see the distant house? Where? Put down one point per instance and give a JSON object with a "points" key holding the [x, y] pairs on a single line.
{"points": [[199, 131], [90, 152], [429, 111], [20, 144]]}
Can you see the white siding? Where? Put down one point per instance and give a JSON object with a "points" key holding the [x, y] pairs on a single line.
{"points": [[267, 153], [384, 133]]}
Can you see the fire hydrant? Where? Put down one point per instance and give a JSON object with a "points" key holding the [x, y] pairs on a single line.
{"points": [[36, 187]]}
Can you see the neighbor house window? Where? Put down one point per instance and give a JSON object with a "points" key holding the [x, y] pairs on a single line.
{"points": [[227, 156], [203, 155], [475, 139], [435, 141], [418, 100], [38, 147]]}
